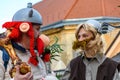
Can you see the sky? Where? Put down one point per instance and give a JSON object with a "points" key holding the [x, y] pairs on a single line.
{"points": [[9, 7]]}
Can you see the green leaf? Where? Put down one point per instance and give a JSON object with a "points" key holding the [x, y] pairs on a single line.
{"points": [[55, 50]]}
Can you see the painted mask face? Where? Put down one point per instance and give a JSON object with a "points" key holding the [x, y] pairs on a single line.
{"points": [[83, 39], [36, 30]]}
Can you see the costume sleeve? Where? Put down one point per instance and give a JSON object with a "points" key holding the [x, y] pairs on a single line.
{"points": [[66, 74], [2, 69], [4, 73], [116, 75]]}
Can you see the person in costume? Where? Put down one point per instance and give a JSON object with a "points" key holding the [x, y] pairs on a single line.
{"points": [[91, 64], [24, 34]]}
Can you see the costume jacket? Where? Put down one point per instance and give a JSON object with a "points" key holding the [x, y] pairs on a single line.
{"points": [[105, 71], [38, 71]]}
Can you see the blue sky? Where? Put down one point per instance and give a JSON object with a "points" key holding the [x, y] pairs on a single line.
{"points": [[9, 7]]}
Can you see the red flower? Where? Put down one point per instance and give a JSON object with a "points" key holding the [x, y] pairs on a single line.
{"points": [[46, 58]]}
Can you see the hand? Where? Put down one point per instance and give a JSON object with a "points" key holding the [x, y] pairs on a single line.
{"points": [[18, 76]]}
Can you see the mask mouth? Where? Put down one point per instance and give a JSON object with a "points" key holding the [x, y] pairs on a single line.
{"points": [[80, 44]]}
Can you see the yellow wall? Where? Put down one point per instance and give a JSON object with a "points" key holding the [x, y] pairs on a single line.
{"points": [[66, 37], [108, 38]]}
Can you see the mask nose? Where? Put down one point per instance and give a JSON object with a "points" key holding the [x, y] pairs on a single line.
{"points": [[81, 38]]}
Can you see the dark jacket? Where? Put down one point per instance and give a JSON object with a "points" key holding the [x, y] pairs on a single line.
{"points": [[105, 71]]}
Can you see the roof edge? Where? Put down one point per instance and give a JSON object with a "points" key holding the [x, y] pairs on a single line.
{"points": [[62, 23]]}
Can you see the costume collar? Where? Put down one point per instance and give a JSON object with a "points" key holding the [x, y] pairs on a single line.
{"points": [[99, 57], [18, 47]]}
